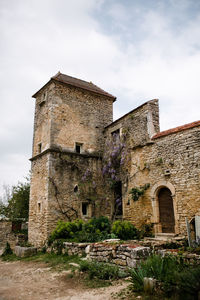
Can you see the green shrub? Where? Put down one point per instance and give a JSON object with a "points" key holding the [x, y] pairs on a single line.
{"points": [[164, 269], [124, 230], [188, 282], [101, 271], [7, 250], [146, 230], [101, 224], [65, 230]]}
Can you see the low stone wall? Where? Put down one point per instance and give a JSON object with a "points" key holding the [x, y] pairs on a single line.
{"points": [[191, 258], [124, 255], [7, 235]]}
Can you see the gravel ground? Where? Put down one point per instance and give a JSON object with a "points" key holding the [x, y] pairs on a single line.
{"points": [[22, 280]]}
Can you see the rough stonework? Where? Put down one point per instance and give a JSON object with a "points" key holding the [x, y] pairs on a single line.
{"points": [[73, 129], [8, 234]]}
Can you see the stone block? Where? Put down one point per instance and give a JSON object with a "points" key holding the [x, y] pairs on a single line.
{"points": [[87, 249], [25, 251], [120, 262], [131, 263]]}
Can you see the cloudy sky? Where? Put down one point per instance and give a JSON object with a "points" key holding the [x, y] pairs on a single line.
{"points": [[135, 49]]}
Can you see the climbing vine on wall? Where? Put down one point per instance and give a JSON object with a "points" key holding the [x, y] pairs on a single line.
{"points": [[66, 210], [138, 192], [115, 157]]}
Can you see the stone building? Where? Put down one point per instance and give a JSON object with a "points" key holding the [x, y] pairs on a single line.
{"points": [[83, 162]]}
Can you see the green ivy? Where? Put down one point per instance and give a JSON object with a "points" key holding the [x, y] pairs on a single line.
{"points": [[137, 192]]}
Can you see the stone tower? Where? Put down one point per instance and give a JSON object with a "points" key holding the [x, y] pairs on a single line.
{"points": [[70, 116]]}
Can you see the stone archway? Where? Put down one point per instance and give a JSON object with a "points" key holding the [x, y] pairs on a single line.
{"points": [[164, 207]]}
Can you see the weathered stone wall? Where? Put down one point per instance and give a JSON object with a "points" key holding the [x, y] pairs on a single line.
{"points": [[75, 179], [7, 235], [43, 120], [64, 116], [139, 125], [60, 183], [172, 161], [123, 255], [39, 196], [67, 115]]}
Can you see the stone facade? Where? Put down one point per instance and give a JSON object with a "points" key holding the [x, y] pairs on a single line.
{"points": [[8, 234], [73, 124]]}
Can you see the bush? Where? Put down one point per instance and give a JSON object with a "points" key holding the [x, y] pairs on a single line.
{"points": [[96, 229], [174, 277], [188, 282], [65, 230], [146, 231], [102, 224], [124, 230], [101, 271]]}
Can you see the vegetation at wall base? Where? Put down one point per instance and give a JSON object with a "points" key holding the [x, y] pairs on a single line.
{"points": [[103, 271], [125, 230], [173, 277], [94, 230]]}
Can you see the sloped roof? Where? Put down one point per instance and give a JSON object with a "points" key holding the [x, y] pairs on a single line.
{"points": [[176, 129], [72, 81]]}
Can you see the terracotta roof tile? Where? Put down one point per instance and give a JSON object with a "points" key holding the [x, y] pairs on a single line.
{"points": [[177, 129], [89, 86]]}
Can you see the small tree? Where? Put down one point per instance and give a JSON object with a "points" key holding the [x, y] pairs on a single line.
{"points": [[16, 203]]}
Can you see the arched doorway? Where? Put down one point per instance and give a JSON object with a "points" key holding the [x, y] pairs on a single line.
{"points": [[166, 210]]}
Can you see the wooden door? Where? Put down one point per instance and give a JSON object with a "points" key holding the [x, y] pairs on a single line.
{"points": [[166, 210]]}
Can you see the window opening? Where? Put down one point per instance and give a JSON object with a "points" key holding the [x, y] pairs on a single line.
{"points": [[84, 209], [118, 211], [116, 134], [76, 189], [39, 147], [39, 207], [78, 147]]}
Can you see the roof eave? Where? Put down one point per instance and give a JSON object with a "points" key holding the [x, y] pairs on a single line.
{"points": [[61, 81]]}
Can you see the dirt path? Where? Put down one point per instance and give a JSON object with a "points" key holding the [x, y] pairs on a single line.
{"points": [[34, 281]]}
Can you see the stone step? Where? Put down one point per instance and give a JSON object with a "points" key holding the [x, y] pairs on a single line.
{"points": [[165, 236]]}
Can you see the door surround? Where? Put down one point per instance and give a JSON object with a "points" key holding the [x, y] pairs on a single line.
{"points": [[155, 204]]}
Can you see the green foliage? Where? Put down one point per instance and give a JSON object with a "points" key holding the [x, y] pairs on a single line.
{"points": [[188, 281], [96, 229], [7, 250], [173, 276], [102, 224], [146, 231], [17, 202], [138, 191], [124, 230], [58, 246], [101, 271], [65, 230]]}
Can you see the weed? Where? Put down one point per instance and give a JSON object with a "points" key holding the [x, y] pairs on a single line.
{"points": [[101, 271]]}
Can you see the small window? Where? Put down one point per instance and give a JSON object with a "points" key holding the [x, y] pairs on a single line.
{"points": [[76, 189], [39, 147], [39, 207], [84, 209], [116, 134], [78, 147]]}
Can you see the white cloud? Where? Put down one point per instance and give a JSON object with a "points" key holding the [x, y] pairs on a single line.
{"points": [[133, 51]]}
